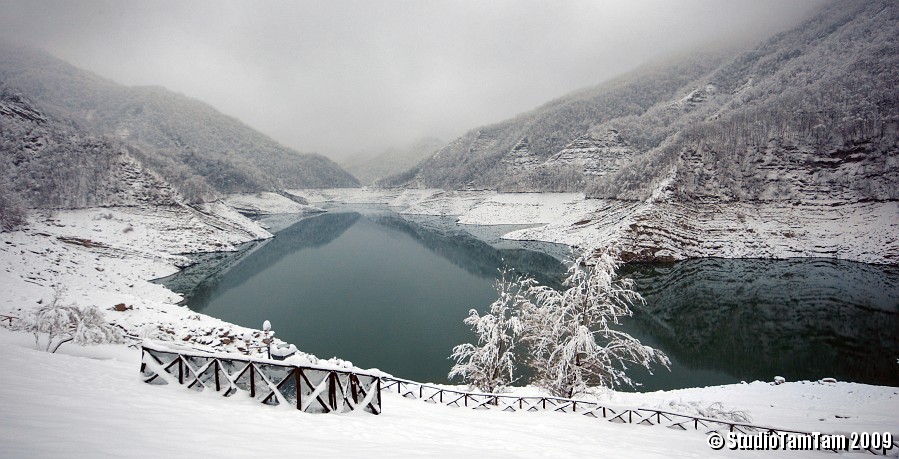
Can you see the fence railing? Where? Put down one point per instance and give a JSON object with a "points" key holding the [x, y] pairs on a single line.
{"points": [[641, 416], [309, 389], [323, 390]]}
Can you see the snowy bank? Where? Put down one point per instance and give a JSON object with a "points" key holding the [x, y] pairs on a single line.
{"points": [[661, 228], [266, 203], [106, 411], [106, 257]]}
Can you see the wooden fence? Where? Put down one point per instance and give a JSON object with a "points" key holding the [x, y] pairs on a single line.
{"points": [[322, 390], [309, 389], [641, 416]]}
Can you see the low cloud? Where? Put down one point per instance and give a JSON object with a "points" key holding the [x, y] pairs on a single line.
{"points": [[355, 77]]}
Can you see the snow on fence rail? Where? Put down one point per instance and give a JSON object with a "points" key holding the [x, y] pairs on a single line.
{"points": [[323, 390], [310, 389], [641, 416]]}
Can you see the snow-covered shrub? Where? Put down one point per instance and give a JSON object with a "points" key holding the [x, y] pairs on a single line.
{"points": [[714, 411], [62, 323], [569, 334], [490, 365], [156, 332], [12, 214]]}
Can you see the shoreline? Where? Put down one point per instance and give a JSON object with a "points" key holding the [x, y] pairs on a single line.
{"points": [[658, 229], [116, 267], [132, 248]]}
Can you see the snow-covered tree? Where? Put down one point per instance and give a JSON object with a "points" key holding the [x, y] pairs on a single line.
{"points": [[570, 335], [62, 323], [490, 365]]}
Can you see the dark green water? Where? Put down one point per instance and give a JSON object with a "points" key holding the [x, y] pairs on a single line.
{"points": [[385, 292]]}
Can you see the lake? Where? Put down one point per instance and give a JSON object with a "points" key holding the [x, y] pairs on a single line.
{"points": [[390, 292]]}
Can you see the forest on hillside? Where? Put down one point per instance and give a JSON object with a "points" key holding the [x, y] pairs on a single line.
{"points": [[810, 113], [190, 144]]}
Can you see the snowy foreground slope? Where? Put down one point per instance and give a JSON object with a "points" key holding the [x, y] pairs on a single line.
{"points": [[659, 228], [106, 256], [88, 402]]}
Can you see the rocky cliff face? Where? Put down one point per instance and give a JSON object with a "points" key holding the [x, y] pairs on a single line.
{"points": [[594, 155], [521, 160]]}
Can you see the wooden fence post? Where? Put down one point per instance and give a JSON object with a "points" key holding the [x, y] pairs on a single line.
{"points": [[378, 382], [332, 390], [215, 369], [252, 381], [297, 374]]}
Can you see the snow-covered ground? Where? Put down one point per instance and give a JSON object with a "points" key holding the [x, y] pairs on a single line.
{"points": [[265, 203], [89, 402], [105, 257]]}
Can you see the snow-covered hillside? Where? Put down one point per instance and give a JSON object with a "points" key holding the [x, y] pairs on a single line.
{"points": [[594, 155], [197, 149], [107, 256], [809, 114]]}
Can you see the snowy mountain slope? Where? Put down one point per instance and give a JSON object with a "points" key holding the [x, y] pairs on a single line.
{"points": [[476, 159], [47, 162], [188, 142], [809, 114], [595, 155], [55, 165], [788, 149]]}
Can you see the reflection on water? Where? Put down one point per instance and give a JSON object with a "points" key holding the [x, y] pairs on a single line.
{"points": [[215, 273], [390, 292], [755, 319], [372, 288]]}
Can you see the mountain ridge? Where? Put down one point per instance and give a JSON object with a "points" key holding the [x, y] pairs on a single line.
{"points": [[809, 113], [187, 141]]}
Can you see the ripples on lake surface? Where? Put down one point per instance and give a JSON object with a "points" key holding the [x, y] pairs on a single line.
{"points": [[390, 292]]}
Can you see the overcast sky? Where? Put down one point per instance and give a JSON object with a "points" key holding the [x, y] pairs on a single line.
{"points": [[355, 77]]}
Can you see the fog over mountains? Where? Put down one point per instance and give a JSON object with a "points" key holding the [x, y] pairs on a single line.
{"points": [[59, 118], [809, 114]]}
